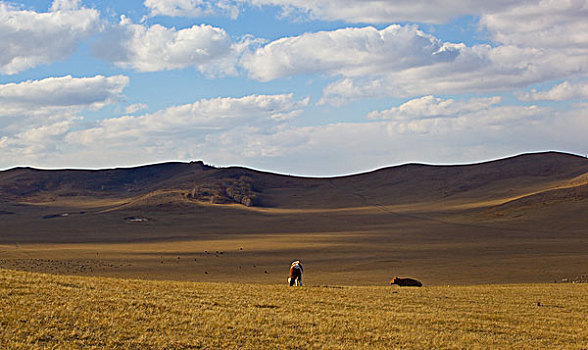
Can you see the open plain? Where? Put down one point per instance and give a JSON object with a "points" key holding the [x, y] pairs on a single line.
{"points": [[189, 256], [166, 164]]}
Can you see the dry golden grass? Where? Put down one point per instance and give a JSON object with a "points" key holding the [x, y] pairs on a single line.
{"points": [[49, 311]]}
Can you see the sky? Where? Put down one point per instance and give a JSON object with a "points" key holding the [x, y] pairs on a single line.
{"points": [[301, 87]]}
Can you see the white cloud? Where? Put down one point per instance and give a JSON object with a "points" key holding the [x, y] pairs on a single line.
{"points": [[349, 52], [481, 68], [65, 5], [428, 107], [192, 8], [134, 108], [201, 116], [186, 131], [427, 129], [29, 39], [38, 142], [251, 130], [473, 134], [534, 42], [403, 61], [556, 24], [156, 48], [60, 92], [35, 115], [378, 11], [561, 92]]}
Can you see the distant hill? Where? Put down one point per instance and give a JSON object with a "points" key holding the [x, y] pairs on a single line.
{"points": [[515, 220], [515, 177]]}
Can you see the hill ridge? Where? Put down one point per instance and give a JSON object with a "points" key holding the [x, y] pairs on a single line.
{"points": [[195, 181], [203, 164]]}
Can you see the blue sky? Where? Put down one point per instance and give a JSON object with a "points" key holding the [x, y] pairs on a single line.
{"points": [[303, 87]]}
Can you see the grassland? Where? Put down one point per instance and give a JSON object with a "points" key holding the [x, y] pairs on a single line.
{"points": [[164, 256], [51, 311]]}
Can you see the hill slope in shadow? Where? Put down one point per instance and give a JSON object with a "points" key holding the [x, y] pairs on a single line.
{"points": [[407, 184], [189, 200]]}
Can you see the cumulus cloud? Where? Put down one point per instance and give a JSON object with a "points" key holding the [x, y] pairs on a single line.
{"points": [[429, 129], [192, 8], [134, 108], [207, 114], [430, 115], [480, 68], [556, 24], [478, 131], [561, 92], [60, 92], [35, 115], [38, 142], [29, 39], [378, 11], [349, 52], [251, 130], [148, 49], [188, 131], [433, 107], [65, 5], [533, 42], [403, 61]]}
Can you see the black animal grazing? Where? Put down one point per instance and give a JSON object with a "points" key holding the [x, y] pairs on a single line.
{"points": [[406, 282]]}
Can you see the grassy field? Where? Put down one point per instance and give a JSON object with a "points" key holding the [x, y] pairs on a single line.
{"points": [[164, 256], [51, 311]]}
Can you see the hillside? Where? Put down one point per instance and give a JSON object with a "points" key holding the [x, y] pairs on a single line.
{"points": [[520, 219], [410, 183]]}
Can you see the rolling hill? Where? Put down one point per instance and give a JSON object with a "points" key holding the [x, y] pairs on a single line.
{"points": [[517, 176], [516, 219]]}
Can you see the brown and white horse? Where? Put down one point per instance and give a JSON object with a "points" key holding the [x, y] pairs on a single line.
{"points": [[295, 274]]}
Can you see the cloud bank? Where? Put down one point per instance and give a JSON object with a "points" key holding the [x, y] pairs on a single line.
{"points": [[561, 92], [35, 115], [155, 48], [377, 11], [533, 42], [192, 8], [433, 107], [348, 52], [24, 34], [436, 99], [186, 131]]}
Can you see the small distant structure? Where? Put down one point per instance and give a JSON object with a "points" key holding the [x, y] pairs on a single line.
{"points": [[136, 219]]}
